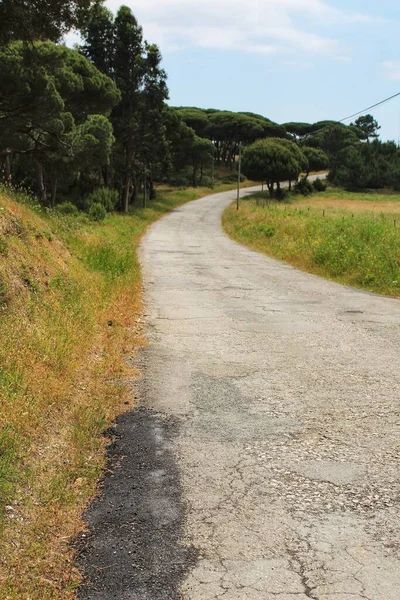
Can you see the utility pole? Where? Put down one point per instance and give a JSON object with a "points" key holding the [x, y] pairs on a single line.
{"points": [[145, 189], [213, 169], [239, 176]]}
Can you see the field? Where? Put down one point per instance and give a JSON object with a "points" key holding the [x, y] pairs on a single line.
{"points": [[348, 237], [70, 310]]}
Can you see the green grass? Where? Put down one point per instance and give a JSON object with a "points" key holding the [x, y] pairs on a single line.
{"points": [[337, 236], [69, 304]]}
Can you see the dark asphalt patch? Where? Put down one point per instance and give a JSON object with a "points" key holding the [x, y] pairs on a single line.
{"points": [[133, 549]]}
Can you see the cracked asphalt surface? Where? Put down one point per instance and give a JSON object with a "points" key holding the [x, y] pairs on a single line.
{"points": [[280, 395]]}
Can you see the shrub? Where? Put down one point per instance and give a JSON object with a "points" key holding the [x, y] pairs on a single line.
{"points": [[67, 208], [97, 212], [319, 185], [179, 179], [232, 178], [206, 181], [106, 197], [304, 187], [280, 194]]}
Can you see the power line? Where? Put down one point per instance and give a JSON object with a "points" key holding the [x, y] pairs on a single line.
{"points": [[370, 107], [352, 116]]}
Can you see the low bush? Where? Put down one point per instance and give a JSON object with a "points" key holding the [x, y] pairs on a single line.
{"points": [[280, 194], [97, 212], [206, 181], [67, 208], [106, 197], [319, 185], [304, 187], [232, 178]]}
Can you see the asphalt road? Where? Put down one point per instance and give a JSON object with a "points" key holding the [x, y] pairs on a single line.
{"points": [[264, 461]]}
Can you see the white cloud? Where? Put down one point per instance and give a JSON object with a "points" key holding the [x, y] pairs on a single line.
{"points": [[262, 26], [392, 69]]}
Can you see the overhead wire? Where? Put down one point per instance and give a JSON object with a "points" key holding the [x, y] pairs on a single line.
{"points": [[370, 107]]}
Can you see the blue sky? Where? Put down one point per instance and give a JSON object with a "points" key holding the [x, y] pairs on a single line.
{"points": [[290, 60]]}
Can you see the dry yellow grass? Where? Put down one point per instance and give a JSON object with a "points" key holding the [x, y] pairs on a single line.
{"points": [[69, 307], [340, 201], [351, 238]]}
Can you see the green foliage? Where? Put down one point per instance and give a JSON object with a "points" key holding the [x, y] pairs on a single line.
{"points": [[104, 196], [29, 20], [67, 208], [228, 129], [360, 249], [274, 160], [319, 185], [369, 165], [7, 464], [317, 159], [368, 125], [53, 115], [304, 187], [117, 47], [97, 212], [299, 130]]}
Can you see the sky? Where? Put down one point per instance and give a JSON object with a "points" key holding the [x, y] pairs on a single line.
{"points": [[290, 60]]}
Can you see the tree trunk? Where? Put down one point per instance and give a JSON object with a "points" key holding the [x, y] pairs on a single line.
{"points": [[41, 183], [145, 190], [125, 194], [128, 181], [104, 172], [194, 179], [53, 192], [152, 191], [6, 167]]}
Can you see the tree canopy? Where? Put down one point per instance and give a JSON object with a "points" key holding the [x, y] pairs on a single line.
{"points": [[31, 20], [74, 121], [274, 160]]}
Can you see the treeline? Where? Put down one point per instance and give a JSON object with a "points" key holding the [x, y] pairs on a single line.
{"points": [[356, 158], [73, 121], [91, 125]]}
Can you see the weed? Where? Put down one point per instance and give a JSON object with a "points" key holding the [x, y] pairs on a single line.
{"points": [[63, 376], [355, 247]]}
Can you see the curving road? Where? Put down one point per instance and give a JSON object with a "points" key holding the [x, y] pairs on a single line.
{"points": [[268, 436]]}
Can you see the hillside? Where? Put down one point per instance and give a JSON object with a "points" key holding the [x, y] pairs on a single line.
{"points": [[70, 313]]}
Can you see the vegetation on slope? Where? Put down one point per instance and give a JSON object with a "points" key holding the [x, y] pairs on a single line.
{"points": [[350, 238], [69, 314]]}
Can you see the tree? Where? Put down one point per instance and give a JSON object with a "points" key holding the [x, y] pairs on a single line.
{"points": [[44, 100], [201, 154], [368, 166], [195, 118], [298, 131], [317, 159], [31, 20], [368, 125], [117, 47], [227, 130], [99, 38], [332, 138], [273, 160]]}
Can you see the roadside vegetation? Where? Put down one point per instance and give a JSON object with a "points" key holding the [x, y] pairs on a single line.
{"points": [[352, 238], [70, 310], [96, 154]]}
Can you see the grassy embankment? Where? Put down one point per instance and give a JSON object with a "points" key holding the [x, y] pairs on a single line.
{"points": [[352, 238], [69, 314]]}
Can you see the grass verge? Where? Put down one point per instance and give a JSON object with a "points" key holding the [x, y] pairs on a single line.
{"points": [[351, 238], [69, 315]]}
